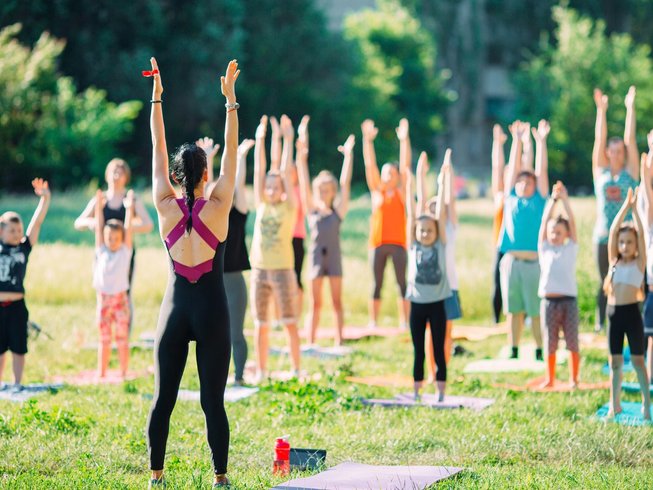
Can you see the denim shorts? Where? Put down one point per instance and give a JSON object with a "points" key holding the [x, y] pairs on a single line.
{"points": [[452, 306]]}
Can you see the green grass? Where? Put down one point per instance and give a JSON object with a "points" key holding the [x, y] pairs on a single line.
{"points": [[93, 437]]}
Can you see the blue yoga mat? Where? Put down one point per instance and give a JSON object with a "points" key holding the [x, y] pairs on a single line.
{"points": [[633, 387], [631, 414], [627, 368]]}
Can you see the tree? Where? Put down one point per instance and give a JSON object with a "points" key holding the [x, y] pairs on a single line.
{"points": [[47, 128], [557, 84], [397, 74]]}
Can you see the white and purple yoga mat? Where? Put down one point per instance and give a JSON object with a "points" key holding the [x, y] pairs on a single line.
{"points": [[450, 402], [28, 391], [355, 476]]}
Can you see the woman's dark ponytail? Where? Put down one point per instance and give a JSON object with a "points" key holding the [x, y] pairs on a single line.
{"points": [[189, 163]]}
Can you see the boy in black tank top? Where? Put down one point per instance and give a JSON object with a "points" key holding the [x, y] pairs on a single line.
{"points": [[15, 249]]}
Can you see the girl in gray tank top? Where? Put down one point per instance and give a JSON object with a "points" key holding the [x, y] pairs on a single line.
{"points": [[428, 285], [325, 208]]}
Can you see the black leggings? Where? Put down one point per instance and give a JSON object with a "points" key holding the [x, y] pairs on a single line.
{"points": [[625, 320], [602, 264], [434, 313], [379, 257], [192, 312], [497, 301]]}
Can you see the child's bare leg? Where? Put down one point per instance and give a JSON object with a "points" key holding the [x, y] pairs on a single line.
{"points": [[2, 365], [404, 311], [516, 321], [649, 340], [104, 352], [338, 311], [616, 374], [642, 377], [293, 341], [261, 346], [313, 317], [18, 361], [537, 332], [374, 307]]}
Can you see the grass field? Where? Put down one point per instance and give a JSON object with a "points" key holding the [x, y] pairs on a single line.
{"points": [[93, 437]]}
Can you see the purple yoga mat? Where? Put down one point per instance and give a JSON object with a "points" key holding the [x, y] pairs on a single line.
{"points": [[355, 476]]}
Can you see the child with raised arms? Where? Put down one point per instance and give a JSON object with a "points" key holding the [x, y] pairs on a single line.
{"points": [[623, 288], [428, 286], [113, 253], [15, 248], [557, 251]]}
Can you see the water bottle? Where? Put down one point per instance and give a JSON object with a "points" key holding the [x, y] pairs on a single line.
{"points": [[281, 465]]}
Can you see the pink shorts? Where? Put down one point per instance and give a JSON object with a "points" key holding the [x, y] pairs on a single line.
{"points": [[113, 310], [274, 285]]}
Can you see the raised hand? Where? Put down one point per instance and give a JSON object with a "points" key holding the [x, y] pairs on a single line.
{"points": [[649, 138], [262, 128], [157, 86], [369, 130], [302, 129], [228, 82], [516, 130], [644, 169], [629, 101], [286, 127], [41, 187], [402, 129], [542, 131], [422, 164], [129, 199], [274, 124], [245, 146], [526, 134], [629, 197], [498, 134], [600, 99], [446, 162], [348, 145], [207, 145]]}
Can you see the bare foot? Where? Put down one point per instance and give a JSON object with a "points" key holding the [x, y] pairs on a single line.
{"points": [[646, 414], [612, 413], [547, 384], [440, 396], [573, 384]]}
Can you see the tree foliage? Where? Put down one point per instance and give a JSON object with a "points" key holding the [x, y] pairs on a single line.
{"points": [[397, 72], [557, 84], [47, 128]]}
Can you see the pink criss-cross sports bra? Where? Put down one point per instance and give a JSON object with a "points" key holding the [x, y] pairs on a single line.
{"points": [[192, 273]]}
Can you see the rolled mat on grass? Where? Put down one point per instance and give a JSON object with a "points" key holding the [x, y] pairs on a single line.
{"points": [[629, 387], [503, 364], [28, 391], [535, 385], [90, 377], [431, 401], [351, 476], [317, 351], [631, 414], [476, 333]]}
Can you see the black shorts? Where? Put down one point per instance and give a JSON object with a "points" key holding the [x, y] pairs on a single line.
{"points": [[13, 327], [298, 249], [625, 321]]}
